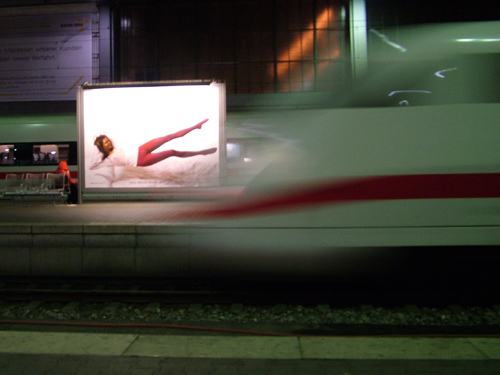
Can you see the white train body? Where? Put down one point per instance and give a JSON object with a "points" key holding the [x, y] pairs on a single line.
{"points": [[331, 185]]}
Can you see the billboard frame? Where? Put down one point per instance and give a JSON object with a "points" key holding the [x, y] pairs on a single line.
{"points": [[158, 192]]}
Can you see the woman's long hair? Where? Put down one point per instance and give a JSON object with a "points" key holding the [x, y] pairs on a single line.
{"points": [[98, 141]]}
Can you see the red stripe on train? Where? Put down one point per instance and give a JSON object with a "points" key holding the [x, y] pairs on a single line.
{"points": [[425, 186]]}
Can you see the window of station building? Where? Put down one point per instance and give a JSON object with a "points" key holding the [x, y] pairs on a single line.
{"points": [[254, 46]]}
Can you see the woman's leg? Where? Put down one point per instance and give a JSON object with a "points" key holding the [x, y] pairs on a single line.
{"points": [[153, 158], [148, 147], [157, 142]]}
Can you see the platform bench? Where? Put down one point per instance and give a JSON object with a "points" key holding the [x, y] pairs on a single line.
{"points": [[52, 185], [54, 194]]}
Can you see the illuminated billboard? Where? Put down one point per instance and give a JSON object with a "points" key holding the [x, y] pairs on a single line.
{"points": [[146, 137]]}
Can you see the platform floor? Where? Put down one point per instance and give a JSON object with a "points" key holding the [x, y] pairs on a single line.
{"points": [[32, 352], [95, 212]]}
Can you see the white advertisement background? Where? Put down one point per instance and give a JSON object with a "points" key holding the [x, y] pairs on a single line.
{"points": [[132, 116], [44, 57]]}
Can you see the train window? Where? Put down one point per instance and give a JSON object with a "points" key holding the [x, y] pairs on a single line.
{"points": [[25, 153], [50, 153], [233, 152], [7, 157]]}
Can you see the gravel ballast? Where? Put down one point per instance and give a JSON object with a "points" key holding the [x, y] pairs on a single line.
{"points": [[238, 313]]}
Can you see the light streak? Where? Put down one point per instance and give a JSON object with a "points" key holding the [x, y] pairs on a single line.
{"points": [[439, 73], [386, 40], [411, 91]]}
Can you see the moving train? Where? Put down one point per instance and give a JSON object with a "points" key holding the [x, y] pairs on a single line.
{"points": [[409, 159]]}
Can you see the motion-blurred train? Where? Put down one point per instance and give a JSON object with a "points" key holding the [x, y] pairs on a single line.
{"points": [[408, 159]]}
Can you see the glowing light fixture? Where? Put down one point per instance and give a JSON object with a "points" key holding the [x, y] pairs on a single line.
{"points": [[125, 24], [481, 40]]}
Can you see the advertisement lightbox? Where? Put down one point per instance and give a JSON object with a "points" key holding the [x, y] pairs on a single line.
{"points": [[140, 137]]}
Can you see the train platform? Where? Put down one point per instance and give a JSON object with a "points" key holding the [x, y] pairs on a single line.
{"points": [[97, 212], [77, 353], [121, 238]]}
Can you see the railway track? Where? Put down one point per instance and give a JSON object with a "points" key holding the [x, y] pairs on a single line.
{"points": [[337, 294], [239, 307]]}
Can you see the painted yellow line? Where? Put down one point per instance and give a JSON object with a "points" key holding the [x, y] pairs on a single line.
{"points": [[71, 88]]}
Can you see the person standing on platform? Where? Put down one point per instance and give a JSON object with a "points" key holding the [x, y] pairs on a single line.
{"points": [[73, 186]]}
